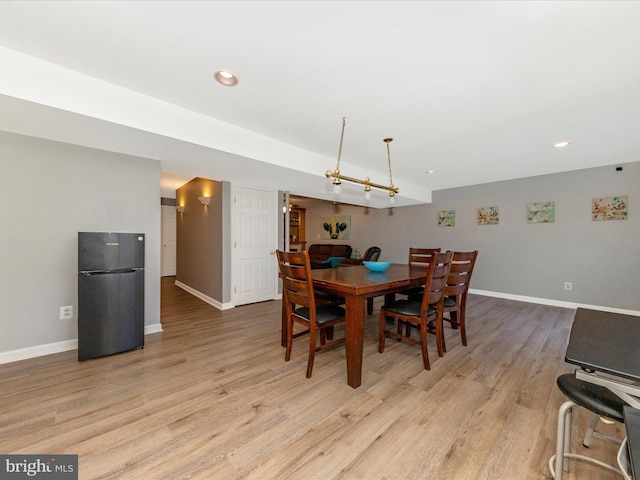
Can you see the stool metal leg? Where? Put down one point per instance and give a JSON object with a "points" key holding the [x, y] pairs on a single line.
{"points": [[568, 421], [590, 430], [560, 461]]}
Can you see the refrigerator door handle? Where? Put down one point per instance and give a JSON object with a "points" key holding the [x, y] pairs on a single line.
{"points": [[89, 273]]}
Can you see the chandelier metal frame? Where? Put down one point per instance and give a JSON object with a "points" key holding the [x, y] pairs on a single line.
{"points": [[338, 177]]}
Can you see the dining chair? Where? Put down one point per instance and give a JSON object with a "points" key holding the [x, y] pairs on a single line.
{"points": [[596, 398], [455, 299], [455, 294], [419, 257], [412, 313], [372, 254], [301, 306]]}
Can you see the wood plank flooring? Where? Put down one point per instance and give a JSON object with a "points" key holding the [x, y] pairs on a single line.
{"points": [[211, 397]]}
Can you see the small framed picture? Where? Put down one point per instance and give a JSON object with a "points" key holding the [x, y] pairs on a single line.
{"points": [[447, 218], [488, 216], [541, 212], [609, 208]]}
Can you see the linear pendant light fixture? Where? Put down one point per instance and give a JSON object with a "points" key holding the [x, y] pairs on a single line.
{"points": [[337, 176]]}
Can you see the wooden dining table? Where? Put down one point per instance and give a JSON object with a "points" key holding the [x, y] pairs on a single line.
{"points": [[356, 284]]}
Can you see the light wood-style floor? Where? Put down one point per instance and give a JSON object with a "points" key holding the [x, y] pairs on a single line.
{"points": [[211, 397]]}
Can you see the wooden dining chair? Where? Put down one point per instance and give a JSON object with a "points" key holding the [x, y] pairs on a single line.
{"points": [[419, 257], [301, 306], [455, 294], [419, 314]]}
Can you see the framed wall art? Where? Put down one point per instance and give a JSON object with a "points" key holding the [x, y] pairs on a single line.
{"points": [[336, 228], [488, 216], [541, 212], [447, 218], [609, 208]]}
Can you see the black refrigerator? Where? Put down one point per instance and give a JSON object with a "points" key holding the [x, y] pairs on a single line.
{"points": [[110, 293]]}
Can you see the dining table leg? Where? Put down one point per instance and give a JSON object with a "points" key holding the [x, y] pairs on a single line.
{"points": [[355, 306]]}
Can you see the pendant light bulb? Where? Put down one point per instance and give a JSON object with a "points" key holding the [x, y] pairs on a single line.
{"points": [[367, 195], [337, 189]]}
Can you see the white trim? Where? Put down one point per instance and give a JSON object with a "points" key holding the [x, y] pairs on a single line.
{"points": [[203, 297], [553, 303], [154, 328], [57, 347], [38, 351]]}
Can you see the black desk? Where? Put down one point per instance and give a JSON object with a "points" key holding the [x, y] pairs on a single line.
{"points": [[605, 342], [609, 343]]}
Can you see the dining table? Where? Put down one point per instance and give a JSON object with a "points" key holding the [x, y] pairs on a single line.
{"points": [[356, 284]]}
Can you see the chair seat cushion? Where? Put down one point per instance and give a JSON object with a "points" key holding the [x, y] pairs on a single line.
{"points": [[600, 400], [406, 307], [449, 302], [324, 313], [412, 291], [324, 298]]}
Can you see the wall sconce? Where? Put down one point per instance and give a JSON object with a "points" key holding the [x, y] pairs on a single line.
{"points": [[204, 200], [180, 208]]}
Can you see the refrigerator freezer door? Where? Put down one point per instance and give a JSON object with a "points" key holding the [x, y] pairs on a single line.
{"points": [[110, 251], [110, 313]]}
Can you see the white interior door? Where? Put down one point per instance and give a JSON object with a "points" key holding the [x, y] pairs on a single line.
{"points": [[254, 246], [168, 251]]}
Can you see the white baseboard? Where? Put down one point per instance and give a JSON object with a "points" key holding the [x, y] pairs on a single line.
{"points": [[153, 328], [57, 347], [205, 298], [552, 303], [38, 351]]}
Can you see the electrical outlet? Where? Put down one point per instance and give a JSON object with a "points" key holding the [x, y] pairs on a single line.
{"points": [[66, 313], [568, 286]]}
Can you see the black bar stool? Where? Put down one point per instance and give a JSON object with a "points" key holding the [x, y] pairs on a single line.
{"points": [[598, 399]]}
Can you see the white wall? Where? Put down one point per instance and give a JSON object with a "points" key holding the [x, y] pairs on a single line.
{"points": [[52, 191], [600, 258]]}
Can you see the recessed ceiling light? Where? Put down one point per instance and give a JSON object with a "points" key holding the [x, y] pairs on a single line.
{"points": [[561, 144], [431, 171], [226, 78]]}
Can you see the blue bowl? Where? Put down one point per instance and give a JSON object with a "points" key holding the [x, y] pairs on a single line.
{"points": [[377, 266]]}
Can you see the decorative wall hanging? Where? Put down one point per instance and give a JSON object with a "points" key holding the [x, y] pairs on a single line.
{"points": [[541, 212], [447, 218], [488, 216], [336, 228], [609, 208]]}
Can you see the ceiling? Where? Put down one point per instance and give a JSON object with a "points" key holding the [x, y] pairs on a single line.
{"points": [[477, 91]]}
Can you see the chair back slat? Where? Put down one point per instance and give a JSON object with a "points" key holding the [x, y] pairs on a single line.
{"points": [[421, 256], [435, 289], [297, 284], [460, 274]]}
